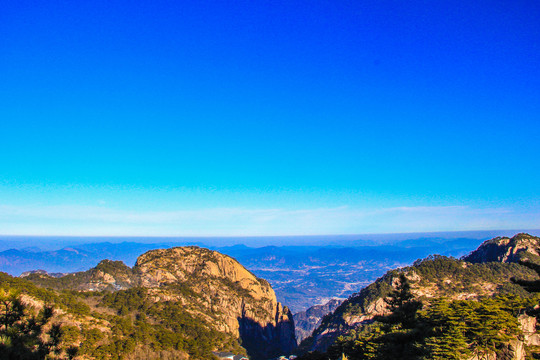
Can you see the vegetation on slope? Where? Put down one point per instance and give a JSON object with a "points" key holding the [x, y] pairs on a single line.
{"points": [[125, 324], [442, 329], [26, 333], [435, 276], [122, 274], [174, 303]]}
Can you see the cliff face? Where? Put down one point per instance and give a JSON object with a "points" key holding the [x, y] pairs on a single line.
{"points": [[226, 294], [503, 249], [210, 286]]}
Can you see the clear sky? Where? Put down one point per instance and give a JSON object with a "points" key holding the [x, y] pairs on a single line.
{"points": [[268, 117]]}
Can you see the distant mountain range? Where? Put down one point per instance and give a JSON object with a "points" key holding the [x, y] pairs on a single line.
{"points": [[193, 303], [302, 276], [46, 243]]}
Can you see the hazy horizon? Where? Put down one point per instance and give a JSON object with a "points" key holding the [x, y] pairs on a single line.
{"points": [[52, 242]]}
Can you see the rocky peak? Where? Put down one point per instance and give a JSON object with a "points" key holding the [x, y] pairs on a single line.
{"points": [[506, 250], [178, 264], [41, 273], [106, 276], [212, 287], [226, 293]]}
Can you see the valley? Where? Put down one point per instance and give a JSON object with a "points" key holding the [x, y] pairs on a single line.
{"points": [[301, 275], [190, 302]]}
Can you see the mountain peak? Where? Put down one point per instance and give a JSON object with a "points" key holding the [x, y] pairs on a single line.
{"points": [[182, 263], [209, 286], [504, 249]]}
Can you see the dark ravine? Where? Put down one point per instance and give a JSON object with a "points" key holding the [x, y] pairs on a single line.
{"points": [[307, 321]]}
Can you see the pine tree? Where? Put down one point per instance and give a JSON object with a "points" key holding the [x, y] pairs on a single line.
{"points": [[446, 338], [447, 344], [402, 305], [400, 335], [21, 332]]}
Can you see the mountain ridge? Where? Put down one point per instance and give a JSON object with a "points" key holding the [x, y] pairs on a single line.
{"points": [[301, 276], [206, 284], [433, 277]]}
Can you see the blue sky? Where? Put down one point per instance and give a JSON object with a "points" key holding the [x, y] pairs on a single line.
{"points": [[268, 118]]}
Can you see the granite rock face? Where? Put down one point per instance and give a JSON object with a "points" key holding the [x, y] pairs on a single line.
{"points": [[232, 298], [506, 250], [209, 286]]}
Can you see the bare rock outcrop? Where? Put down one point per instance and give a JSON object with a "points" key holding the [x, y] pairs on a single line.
{"points": [[209, 286], [505, 250], [219, 288], [528, 327]]}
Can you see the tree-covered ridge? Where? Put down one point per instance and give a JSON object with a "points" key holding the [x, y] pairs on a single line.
{"points": [[451, 277], [107, 275], [437, 330], [432, 277], [126, 324]]}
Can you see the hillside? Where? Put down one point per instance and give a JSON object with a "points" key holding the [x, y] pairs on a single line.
{"points": [[188, 301], [431, 278]]}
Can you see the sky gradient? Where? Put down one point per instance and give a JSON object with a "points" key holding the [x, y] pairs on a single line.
{"points": [[268, 118]]}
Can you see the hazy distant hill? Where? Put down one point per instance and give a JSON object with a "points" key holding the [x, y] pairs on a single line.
{"points": [[302, 276], [71, 258]]}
